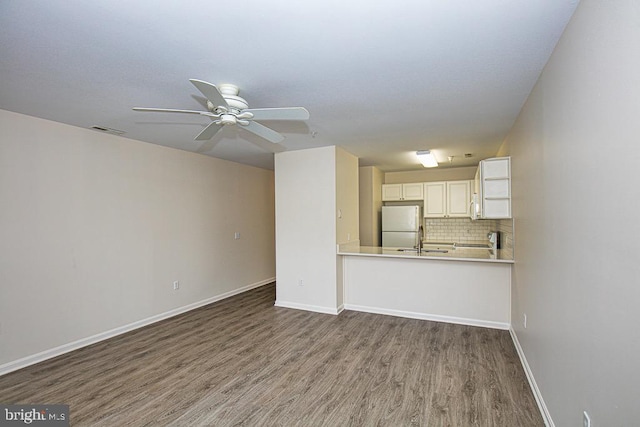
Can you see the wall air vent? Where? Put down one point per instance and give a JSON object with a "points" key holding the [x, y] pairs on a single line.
{"points": [[108, 130]]}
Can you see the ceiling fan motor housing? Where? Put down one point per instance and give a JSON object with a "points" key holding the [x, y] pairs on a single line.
{"points": [[227, 119], [235, 102], [230, 94]]}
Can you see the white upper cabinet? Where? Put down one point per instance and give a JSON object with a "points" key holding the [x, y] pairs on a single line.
{"points": [[447, 199], [412, 191], [435, 199], [396, 192], [391, 192], [459, 199], [494, 188]]}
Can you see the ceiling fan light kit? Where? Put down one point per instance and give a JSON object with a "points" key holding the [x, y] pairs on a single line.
{"points": [[227, 119], [227, 108], [427, 159]]}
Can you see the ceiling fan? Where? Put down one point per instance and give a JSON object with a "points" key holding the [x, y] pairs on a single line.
{"points": [[227, 108]]}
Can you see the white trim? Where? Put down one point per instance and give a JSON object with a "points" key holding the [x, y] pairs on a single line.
{"points": [[546, 416], [307, 307], [434, 317], [75, 345], [340, 308]]}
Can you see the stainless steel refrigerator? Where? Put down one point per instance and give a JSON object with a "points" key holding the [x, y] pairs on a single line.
{"points": [[400, 225]]}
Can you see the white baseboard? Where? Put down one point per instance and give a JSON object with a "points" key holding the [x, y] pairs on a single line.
{"points": [[426, 316], [66, 348], [546, 416], [307, 307]]}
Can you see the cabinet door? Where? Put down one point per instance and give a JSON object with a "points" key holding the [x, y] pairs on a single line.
{"points": [[496, 208], [412, 191], [495, 168], [435, 199], [391, 192], [477, 191], [496, 188], [458, 198]]}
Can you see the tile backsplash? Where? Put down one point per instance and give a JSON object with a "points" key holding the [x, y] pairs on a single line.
{"points": [[460, 230], [464, 230]]}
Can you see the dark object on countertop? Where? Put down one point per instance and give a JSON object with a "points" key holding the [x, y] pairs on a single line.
{"points": [[494, 239]]}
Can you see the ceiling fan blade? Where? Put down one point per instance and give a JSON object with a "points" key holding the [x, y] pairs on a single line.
{"points": [[264, 132], [286, 113], [173, 110], [208, 132], [207, 146], [210, 92]]}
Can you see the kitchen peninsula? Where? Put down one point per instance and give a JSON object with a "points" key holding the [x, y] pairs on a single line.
{"points": [[462, 285]]}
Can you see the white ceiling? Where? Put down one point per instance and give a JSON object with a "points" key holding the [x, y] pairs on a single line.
{"points": [[381, 79]]}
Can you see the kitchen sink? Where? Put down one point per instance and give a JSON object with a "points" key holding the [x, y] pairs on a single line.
{"points": [[445, 247], [472, 245], [441, 251], [439, 245]]}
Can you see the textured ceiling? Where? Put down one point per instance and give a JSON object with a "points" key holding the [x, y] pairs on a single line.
{"points": [[380, 79]]}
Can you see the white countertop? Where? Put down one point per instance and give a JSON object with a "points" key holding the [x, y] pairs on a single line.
{"points": [[452, 254]]}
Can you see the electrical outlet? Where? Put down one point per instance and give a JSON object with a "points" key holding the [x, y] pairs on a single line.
{"points": [[236, 235], [300, 282], [176, 285], [586, 421], [524, 320]]}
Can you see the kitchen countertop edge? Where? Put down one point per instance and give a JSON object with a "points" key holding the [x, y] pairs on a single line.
{"points": [[376, 251]]}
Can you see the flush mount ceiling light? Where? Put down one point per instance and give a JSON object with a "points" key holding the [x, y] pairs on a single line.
{"points": [[427, 159]]}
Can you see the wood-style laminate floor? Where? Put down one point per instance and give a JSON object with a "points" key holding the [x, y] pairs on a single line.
{"points": [[243, 361]]}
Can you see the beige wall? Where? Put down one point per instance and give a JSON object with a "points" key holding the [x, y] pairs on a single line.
{"points": [[95, 228], [575, 156], [370, 194], [434, 174], [309, 193], [348, 217], [347, 224], [306, 229]]}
